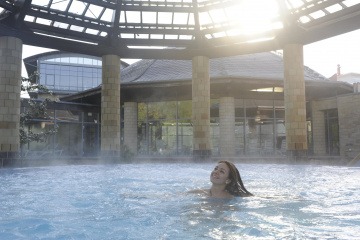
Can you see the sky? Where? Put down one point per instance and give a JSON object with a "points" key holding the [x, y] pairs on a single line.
{"points": [[322, 56]]}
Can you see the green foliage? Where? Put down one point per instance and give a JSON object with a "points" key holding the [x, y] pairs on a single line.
{"points": [[164, 110], [36, 109]]}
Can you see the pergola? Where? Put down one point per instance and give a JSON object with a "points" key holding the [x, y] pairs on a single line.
{"points": [[175, 29], [169, 29]]}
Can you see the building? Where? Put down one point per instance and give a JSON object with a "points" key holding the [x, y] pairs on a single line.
{"points": [[66, 73], [247, 109], [192, 31]]}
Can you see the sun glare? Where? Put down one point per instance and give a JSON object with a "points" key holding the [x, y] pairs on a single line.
{"points": [[255, 16]]}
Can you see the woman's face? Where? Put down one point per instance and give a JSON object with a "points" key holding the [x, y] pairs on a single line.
{"points": [[220, 174]]}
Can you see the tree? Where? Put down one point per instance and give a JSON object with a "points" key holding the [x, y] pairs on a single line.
{"points": [[35, 109]]}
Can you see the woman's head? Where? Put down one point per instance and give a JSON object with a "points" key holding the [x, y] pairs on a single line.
{"points": [[220, 174], [234, 184]]}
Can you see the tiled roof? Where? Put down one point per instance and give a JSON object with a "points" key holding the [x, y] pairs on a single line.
{"points": [[267, 66]]}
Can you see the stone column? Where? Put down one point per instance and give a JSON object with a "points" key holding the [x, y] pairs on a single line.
{"points": [[227, 126], [294, 98], [201, 107], [130, 126], [110, 106], [10, 88]]}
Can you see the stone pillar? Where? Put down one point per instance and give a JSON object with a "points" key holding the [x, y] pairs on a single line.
{"points": [[227, 127], [110, 106], [294, 98], [201, 107], [130, 126], [10, 88]]}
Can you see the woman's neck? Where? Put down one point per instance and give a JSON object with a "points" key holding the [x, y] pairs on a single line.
{"points": [[219, 192]]}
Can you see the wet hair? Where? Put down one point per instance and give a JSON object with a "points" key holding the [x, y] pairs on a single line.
{"points": [[236, 186]]}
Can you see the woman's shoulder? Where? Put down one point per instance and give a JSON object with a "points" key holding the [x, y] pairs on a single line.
{"points": [[199, 191]]}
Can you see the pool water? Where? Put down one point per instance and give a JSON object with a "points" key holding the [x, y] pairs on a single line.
{"points": [[149, 201]]}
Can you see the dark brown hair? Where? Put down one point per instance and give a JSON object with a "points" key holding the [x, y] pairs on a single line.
{"points": [[236, 186]]}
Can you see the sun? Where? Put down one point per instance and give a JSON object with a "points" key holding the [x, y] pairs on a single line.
{"points": [[246, 18]]}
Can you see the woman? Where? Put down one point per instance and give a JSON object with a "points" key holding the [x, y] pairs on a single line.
{"points": [[226, 182]]}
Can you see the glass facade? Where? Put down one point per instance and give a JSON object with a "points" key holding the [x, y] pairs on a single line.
{"points": [[69, 73], [164, 128], [77, 135], [260, 127]]}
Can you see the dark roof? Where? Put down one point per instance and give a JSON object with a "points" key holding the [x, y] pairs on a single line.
{"points": [[261, 66], [259, 69]]}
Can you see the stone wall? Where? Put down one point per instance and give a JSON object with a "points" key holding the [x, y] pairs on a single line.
{"points": [[349, 124], [10, 88], [318, 123]]}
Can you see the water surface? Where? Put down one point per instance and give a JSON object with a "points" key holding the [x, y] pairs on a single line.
{"points": [[149, 201]]}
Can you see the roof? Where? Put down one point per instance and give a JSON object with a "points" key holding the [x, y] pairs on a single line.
{"points": [[259, 69], [261, 66], [175, 29]]}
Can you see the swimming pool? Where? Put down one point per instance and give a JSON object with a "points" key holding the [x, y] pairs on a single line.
{"points": [[149, 201]]}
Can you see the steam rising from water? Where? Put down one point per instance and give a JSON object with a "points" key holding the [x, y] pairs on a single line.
{"points": [[149, 201]]}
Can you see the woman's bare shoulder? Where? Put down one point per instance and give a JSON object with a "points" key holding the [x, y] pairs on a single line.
{"points": [[199, 191]]}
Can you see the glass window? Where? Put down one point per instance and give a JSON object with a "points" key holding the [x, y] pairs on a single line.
{"points": [[87, 72], [185, 109], [215, 135], [185, 137], [240, 136], [50, 80], [68, 116], [65, 59], [73, 60], [159, 132], [81, 60], [91, 75], [57, 70], [49, 66], [87, 61], [91, 117], [73, 70], [69, 137], [162, 110], [73, 82], [80, 83], [57, 81], [87, 83]]}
